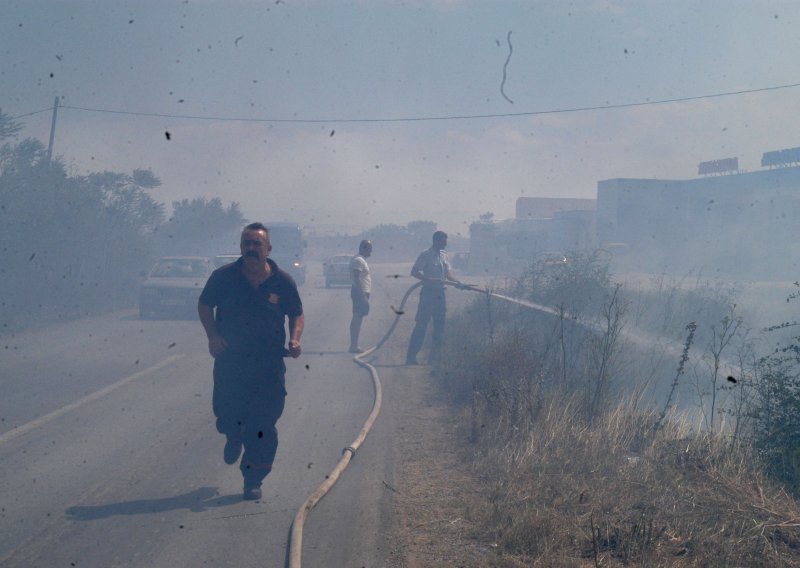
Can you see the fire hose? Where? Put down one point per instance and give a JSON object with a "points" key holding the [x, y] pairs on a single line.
{"points": [[348, 452], [296, 535]]}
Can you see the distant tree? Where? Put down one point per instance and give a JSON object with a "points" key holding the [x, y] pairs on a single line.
{"points": [[7, 126], [77, 244], [71, 243], [131, 215], [399, 243], [200, 226], [486, 217], [386, 232], [126, 200], [422, 229], [421, 233], [145, 179]]}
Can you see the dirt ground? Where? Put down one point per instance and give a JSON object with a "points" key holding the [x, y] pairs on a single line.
{"points": [[433, 482]]}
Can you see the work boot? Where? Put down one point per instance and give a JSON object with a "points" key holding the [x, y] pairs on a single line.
{"points": [[356, 350], [251, 493], [412, 361], [232, 451]]}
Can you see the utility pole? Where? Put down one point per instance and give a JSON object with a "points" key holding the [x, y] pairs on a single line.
{"points": [[52, 130]]}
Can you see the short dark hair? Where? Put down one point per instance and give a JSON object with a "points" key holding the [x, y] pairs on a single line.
{"points": [[363, 245], [256, 227], [439, 235]]}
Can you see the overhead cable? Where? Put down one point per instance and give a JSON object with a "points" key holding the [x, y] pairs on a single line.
{"points": [[48, 109], [423, 118]]}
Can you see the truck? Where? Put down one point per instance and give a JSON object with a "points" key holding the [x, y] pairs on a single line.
{"points": [[288, 249]]}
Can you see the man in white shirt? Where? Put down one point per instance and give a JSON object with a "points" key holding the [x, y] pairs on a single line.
{"points": [[433, 268], [361, 286]]}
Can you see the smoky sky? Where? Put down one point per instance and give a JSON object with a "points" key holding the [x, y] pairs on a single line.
{"points": [[353, 114]]}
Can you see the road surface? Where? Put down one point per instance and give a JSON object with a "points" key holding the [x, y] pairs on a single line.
{"points": [[110, 457]]}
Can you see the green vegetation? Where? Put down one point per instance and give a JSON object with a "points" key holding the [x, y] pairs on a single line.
{"points": [[77, 244], [591, 451], [396, 242], [778, 411], [200, 227]]}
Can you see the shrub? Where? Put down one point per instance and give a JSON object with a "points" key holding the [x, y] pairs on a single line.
{"points": [[778, 417]]}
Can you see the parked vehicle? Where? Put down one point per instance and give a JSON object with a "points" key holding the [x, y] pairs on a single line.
{"points": [[173, 286], [553, 258], [337, 270]]}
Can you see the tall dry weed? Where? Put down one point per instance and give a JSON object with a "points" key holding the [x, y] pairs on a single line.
{"points": [[628, 483]]}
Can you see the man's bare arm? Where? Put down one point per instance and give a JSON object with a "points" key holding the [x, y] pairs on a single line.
{"points": [[296, 325], [216, 343], [452, 278]]}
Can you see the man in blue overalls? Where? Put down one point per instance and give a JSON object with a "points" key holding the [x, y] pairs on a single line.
{"points": [[433, 269], [246, 336]]}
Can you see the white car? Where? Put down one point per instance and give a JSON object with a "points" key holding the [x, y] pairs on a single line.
{"points": [[222, 259], [173, 286], [337, 270]]}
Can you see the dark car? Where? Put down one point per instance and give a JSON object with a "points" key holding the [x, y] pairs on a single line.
{"points": [[173, 286], [337, 270]]}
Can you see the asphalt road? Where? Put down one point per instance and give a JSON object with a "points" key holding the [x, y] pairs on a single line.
{"points": [[109, 456]]}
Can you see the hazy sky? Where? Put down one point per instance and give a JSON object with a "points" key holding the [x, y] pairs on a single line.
{"points": [[351, 65]]}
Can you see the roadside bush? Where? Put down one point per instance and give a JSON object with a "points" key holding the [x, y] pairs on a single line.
{"points": [[778, 416], [579, 469], [664, 304], [578, 285], [718, 378]]}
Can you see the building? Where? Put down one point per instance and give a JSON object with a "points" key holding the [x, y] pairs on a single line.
{"points": [[549, 207], [731, 224], [542, 224], [737, 225]]}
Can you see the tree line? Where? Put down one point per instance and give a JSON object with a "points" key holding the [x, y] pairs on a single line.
{"points": [[78, 244]]}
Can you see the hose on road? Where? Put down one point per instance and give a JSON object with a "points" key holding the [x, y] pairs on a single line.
{"points": [[296, 537]]}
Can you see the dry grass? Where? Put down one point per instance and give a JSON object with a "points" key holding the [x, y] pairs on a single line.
{"points": [[623, 485], [616, 493], [563, 493]]}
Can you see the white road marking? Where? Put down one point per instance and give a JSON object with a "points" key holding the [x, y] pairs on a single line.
{"points": [[28, 426]]}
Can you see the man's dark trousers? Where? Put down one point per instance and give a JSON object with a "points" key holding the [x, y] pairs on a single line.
{"points": [[249, 396], [432, 306]]}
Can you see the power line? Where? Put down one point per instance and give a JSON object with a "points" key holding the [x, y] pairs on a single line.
{"points": [[423, 118], [48, 109]]}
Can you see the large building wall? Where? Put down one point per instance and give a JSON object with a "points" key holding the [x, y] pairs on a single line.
{"points": [[548, 207], [740, 224], [744, 225]]}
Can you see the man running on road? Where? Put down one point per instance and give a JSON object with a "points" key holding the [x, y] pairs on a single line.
{"points": [[246, 336]]}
